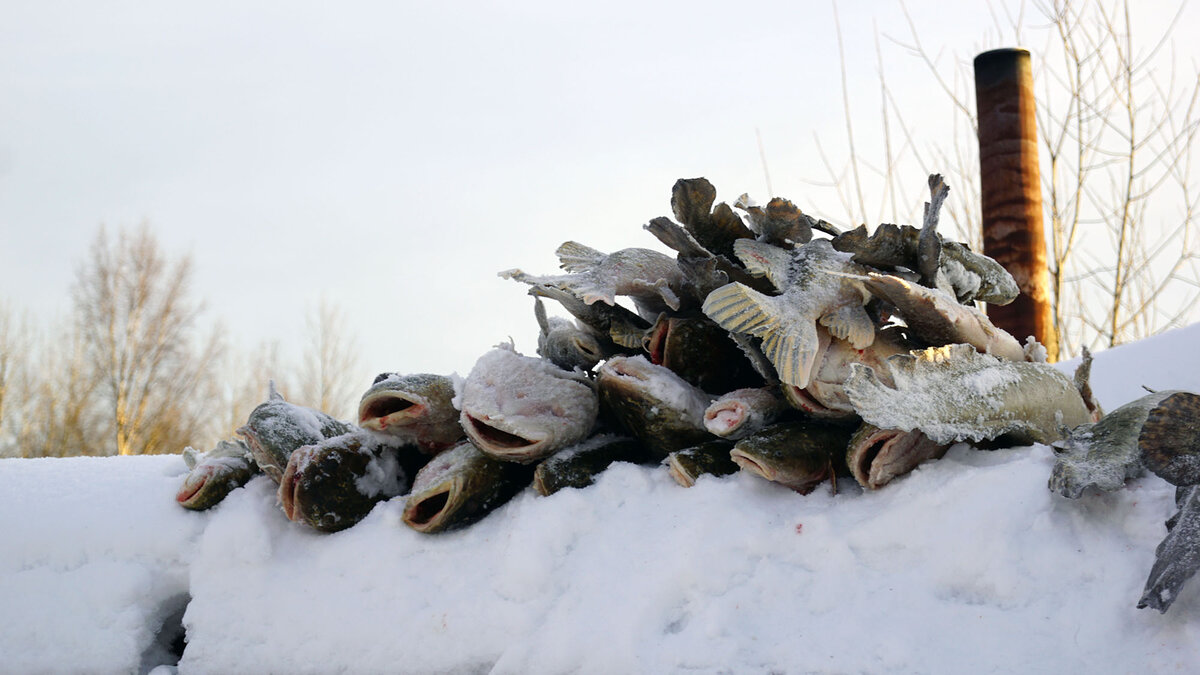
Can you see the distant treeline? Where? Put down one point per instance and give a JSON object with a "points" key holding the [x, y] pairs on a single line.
{"points": [[135, 371]]}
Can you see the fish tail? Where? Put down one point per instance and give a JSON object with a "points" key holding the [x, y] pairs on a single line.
{"points": [[516, 275], [575, 257]]}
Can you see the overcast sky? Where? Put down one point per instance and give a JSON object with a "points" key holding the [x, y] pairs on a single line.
{"points": [[392, 157]]}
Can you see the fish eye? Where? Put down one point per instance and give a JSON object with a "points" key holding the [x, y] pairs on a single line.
{"points": [[381, 377]]}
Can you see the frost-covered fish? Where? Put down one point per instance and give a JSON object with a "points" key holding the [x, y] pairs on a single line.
{"points": [[618, 328], [700, 352], [954, 393], [825, 396], [522, 409], [709, 458], [818, 286], [417, 408], [214, 475], [703, 271], [650, 278], [938, 319], [1177, 558], [334, 484], [780, 223], [716, 229], [742, 412], [1170, 439], [276, 428], [800, 455], [1157, 431], [945, 264], [876, 456], [655, 405], [563, 343], [460, 486], [578, 465]]}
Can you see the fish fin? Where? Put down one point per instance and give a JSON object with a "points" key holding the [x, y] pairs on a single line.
{"points": [[929, 244], [764, 259], [662, 288], [677, 238], [850, 323], [692, 200], [740, 309], [586, 289], [190, 457], [793, 350], [575, 257], [517, 275], [273, 393], [626, 335], [539, 311]]}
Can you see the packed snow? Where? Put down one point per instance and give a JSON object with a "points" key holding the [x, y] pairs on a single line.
{"points": [[968, 564]]}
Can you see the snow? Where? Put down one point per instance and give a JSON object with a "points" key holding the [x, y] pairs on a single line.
{"points": [[967, 564]]}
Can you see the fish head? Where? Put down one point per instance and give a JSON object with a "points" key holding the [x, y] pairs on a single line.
{"points": [[276, 428], [325, 485], [653, 403], [522, 409], [459, 486], [796, 454], [202, 487], [398, 401], [569, 346], [212, 476]]}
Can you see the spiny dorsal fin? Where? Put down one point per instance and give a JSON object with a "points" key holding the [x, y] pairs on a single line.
{"points": [[575, 257], [764, 259], [273, 393]]}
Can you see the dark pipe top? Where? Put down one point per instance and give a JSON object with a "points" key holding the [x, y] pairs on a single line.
{"points": [[999, 64]]}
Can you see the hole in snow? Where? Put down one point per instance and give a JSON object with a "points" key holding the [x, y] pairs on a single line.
{"points": [[170, 638]]}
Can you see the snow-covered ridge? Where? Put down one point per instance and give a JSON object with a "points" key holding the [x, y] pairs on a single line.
{"points": [[968, 563]]}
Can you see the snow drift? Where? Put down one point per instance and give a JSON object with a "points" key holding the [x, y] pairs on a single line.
{"points": [[969, 563]]}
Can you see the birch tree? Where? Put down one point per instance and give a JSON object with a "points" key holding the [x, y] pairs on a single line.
{"points": [[329, 370], [138, 328]]}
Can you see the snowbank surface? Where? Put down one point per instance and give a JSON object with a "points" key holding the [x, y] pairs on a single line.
{"points": [[968, 564]]}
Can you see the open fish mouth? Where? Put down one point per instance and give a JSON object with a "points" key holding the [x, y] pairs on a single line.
{"points": [[865, 453], [426, 512], [749, 463], [802, 399], [289, 486], [656, 342], [725, 418], [498, 442], [387, 408], [193, 484], [626, 372], [677, 471], [877, 457]]}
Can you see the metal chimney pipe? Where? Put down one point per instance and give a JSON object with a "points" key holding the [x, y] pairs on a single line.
{"points": [[1011, 191]]}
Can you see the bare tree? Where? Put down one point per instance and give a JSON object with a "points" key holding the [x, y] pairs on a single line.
{"points": [[1118, 124], [138, 329], [1123, 134], [248, 377], [15, 346], [329, 371], [61, 416]]}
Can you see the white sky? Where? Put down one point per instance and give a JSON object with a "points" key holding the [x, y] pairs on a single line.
{"points": [[392, 157]]}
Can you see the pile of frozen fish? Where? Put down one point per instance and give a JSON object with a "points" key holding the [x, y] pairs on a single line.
{"points": [[771, 343]]}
